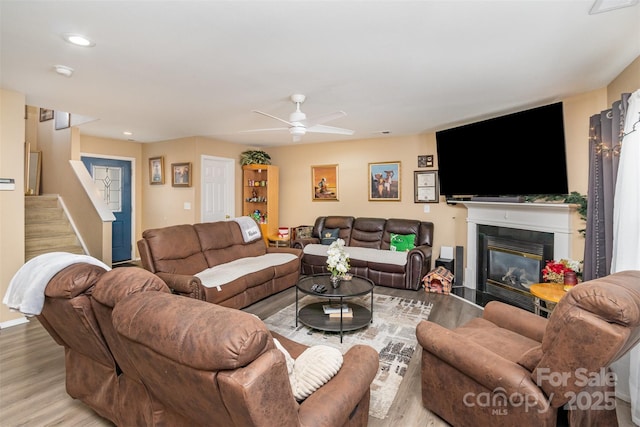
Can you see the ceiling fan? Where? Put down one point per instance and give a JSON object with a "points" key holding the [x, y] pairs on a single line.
{"points": [[298, 124]]}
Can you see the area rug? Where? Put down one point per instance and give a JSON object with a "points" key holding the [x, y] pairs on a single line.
{"points": [[392, 334]]}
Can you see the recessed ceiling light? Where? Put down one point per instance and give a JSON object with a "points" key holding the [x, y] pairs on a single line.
{"points": [[601, 6], [63, 70], [126, 132], [78, 40]]}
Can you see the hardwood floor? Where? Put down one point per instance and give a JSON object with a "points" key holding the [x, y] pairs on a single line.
{"points": [[32, 391]]}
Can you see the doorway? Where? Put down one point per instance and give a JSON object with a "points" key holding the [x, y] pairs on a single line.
{"points": [[218, 193], [113, 178]]}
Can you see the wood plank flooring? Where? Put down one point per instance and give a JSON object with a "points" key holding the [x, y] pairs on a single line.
{"points": [[32, 391]]}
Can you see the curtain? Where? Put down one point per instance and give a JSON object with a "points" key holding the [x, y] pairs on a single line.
{"points": [[626, 240], [605, 132]]}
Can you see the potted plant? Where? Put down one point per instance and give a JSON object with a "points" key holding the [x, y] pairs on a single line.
{"points": [[254, 157]]}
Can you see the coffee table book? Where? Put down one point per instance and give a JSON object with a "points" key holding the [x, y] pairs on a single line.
{"points": [[345, 314], [334, 308]]}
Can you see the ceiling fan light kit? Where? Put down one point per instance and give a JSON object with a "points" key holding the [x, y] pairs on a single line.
{"points": [[298, 125]]}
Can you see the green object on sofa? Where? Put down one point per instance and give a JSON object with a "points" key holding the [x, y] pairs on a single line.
{"points": [[402, 242]]}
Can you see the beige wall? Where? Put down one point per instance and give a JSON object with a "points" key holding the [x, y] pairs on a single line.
{"points": [[12, 139], [627, 82], [353, 158]]}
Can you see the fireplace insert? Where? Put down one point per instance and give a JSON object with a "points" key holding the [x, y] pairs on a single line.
{"points": [[510, 261]]}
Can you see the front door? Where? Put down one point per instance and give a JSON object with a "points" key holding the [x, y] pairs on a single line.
{"points": [[113, 178]]}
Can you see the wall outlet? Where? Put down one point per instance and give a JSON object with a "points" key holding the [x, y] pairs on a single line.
{"points": [[187, 206], [427, 208]]}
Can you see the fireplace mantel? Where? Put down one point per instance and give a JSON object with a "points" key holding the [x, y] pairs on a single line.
{"points": [[553, 218]]}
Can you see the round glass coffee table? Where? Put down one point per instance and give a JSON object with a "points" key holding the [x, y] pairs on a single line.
{"points": [[313, 315]]}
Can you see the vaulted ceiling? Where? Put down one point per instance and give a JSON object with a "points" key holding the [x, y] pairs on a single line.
{"points": [[171, 69]]}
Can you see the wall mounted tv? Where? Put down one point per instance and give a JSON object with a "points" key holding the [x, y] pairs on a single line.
{"points": [[513, 155]]}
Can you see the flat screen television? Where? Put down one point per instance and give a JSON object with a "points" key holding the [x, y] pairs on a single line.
{"points": [[517, 154]]}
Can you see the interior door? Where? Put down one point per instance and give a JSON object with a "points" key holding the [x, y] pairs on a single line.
{"points": [[218, 196], [113, 178]]}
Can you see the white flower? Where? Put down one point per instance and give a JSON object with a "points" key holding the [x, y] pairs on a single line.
{"points": [[337, 258]]}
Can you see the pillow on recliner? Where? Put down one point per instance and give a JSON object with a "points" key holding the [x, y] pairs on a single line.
{"points": [[402, 242], [312, 369], [329, 235]]}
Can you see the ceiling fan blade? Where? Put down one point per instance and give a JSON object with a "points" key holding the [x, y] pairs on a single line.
{"points": [[329, 129], [274, 117], [323, 119], [262, 130]]}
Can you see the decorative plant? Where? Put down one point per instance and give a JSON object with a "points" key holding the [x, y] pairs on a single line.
{"points": [[254, 157], [573, 198], [554, 271], [337, 258]]}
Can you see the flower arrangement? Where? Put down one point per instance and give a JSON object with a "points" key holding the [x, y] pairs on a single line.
{"points": [[337, 258], [554, 270]]}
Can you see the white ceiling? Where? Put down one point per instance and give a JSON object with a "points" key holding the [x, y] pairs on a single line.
{"points": [[171, 69]]}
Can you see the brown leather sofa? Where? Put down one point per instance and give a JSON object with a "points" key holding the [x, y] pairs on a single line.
{"points": [[92, 374], [514, 368], [141, 356], [209, 365], [368, 241], [178, 253]]}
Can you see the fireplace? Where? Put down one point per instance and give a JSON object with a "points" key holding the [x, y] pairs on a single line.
{"points": [[510, 261], [508, 245]]}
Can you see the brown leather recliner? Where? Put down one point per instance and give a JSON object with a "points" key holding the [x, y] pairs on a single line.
{"points": [[514, 368], [90, 369], [215, 366], [134, 402]]}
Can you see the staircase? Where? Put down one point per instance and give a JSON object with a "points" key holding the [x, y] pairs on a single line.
{"points": [[47, 228]]}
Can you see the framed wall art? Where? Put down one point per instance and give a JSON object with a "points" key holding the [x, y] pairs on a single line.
{"points": [[384, 181], [181, 174], [46, 114], [324, 183], [425, 161], [63, 120], [426, 187], [156, 170]]}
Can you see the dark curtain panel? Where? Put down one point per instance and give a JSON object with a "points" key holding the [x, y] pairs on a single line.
{"points": [[605, 135]]}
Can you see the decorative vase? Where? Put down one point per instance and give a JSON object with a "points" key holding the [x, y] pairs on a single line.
{"points": [[335, 281], [570, 280]]}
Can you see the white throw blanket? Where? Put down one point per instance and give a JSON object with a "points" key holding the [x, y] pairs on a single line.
{"points": [[217, 276], [363, 254], [249, 228], [26, 289]]}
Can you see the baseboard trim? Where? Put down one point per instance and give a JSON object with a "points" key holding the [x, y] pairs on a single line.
{"points": [[14, 322]]}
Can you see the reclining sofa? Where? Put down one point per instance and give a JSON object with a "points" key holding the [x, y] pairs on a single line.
{"points": [[123, 331], [369, 244], [216, 262]]}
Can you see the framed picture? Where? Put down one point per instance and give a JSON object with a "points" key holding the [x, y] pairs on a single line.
{"points": [[384, 181], [181, 174], [63, 120], [425, 161], [324, 183], [156, 170], [426, 187], [46, 114]]}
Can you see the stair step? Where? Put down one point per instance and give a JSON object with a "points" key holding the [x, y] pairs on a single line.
{"points": [[47, 228], [70, 249], [50, 241]]}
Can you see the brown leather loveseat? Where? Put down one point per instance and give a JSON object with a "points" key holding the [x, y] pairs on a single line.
{"points": [[213, 262], [208, 365], [512, 367], [368, 242], [141, 356]]}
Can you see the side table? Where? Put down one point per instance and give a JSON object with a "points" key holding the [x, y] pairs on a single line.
{"points": [[550, 292], [278, 242]]}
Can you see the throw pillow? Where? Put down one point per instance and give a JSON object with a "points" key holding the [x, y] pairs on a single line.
{"points": [[304, 232], [402, 242], [329, 235], [312, 369]]}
